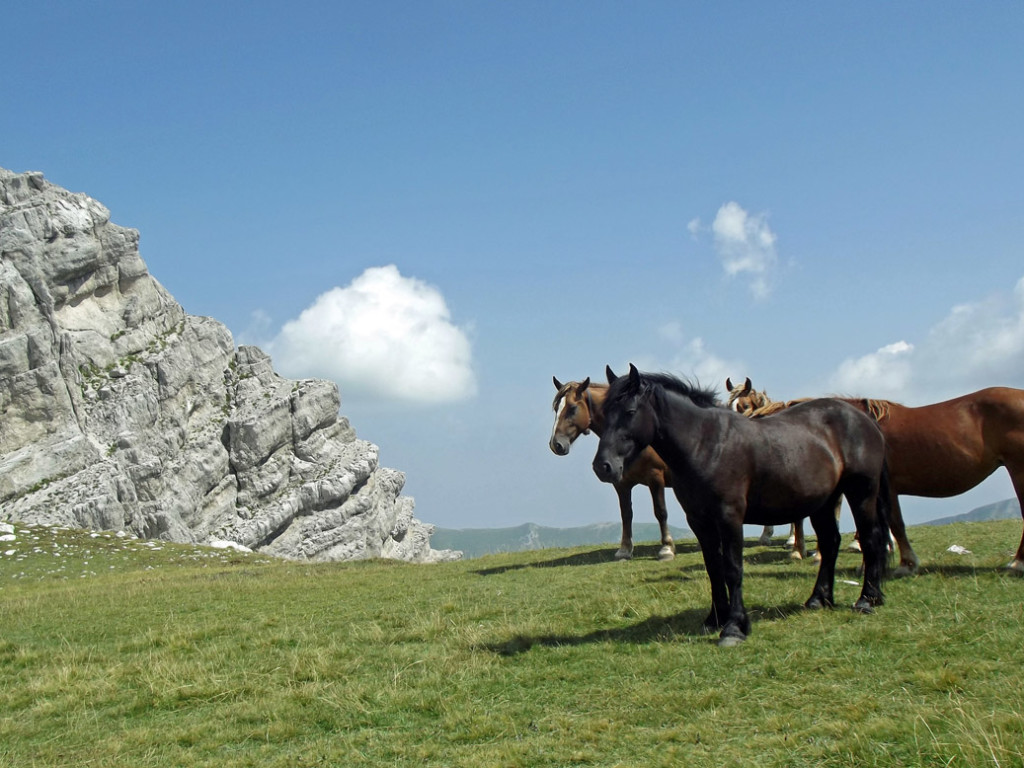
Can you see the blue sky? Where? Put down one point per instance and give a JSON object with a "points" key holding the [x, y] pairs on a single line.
{"points": [[440, 205]]}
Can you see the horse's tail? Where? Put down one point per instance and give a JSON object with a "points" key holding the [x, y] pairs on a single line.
{"points": [[883, 509]]}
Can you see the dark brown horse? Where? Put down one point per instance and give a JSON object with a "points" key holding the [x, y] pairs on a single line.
{"points": [[730, 469], [581, 412], [943, 449]]}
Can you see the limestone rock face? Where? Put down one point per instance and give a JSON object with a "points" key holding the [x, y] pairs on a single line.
{"points": [[120, 411]]}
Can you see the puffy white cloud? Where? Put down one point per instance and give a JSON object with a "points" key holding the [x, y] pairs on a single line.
{"points": [[745, 244], [383, 336], [976, 345], [885, 373]]}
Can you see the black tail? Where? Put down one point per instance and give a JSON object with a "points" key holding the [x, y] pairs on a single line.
{"points": [[883, 508]]}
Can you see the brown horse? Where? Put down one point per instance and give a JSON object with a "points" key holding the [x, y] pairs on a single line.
{"points": [[942, 450], [581, 413]]}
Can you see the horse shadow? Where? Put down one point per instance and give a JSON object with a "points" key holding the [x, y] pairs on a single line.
{"points": [[687, 625], [592, 557]]}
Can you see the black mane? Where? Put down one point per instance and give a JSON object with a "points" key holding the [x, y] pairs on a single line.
{"points": [[703, 397]]}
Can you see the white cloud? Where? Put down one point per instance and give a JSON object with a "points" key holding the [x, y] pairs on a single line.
{"points": [[745, 245], [692, 359], [976, 345], [383, 336], [885, 373]]}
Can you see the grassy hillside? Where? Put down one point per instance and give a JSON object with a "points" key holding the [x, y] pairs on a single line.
{"points": [[118, 653]]}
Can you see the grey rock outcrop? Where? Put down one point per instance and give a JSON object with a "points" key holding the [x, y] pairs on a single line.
{"points": [[120, 411]]}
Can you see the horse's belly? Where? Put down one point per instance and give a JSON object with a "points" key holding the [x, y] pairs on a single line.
{"points": [[770, 514], [939, 479]]}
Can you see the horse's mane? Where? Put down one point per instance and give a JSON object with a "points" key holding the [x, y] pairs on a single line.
{"points": [[703, 397], [876, 409]]}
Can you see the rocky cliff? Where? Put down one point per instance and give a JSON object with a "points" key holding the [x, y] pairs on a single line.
{"points": [[120, 411]]}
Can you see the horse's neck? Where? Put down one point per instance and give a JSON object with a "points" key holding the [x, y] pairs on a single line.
{"points": [[685, 429], [596, 394]]}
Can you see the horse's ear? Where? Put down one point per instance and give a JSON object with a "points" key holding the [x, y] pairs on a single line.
{"points": [[583, 386], [634, 378], [728, 384], [747, 386], [610, 374], [558, 384]]}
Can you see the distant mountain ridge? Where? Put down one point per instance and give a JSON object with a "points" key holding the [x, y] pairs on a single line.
{"points": [[477, 542], [1000, 510]]}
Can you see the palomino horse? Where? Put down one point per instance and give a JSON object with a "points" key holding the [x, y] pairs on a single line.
{"points": [[730, 469], [944, 449], [582, 413]]}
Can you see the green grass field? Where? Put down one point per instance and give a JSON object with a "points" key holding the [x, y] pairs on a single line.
{"points": [[116, 652]]}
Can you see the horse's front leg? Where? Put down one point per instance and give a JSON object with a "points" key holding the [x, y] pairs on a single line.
{"points": [[827, 530], [874, 541], [625, 493], [737, 625], [710, 542], [668, 546]]}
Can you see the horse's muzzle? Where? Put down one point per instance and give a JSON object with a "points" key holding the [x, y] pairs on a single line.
{"points": [[607, 470], [559, 446]]}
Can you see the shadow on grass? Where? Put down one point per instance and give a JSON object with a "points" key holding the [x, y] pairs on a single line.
{"points": [[594, 557], [687, 624]]}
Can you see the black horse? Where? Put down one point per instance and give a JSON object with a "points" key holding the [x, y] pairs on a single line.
{"points": [[732, 470]]}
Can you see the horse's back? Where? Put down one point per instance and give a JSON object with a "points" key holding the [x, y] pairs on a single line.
{"points": [[947, 448], [823, 443]]}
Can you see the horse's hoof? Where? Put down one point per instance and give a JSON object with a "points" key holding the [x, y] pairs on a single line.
{"points": [[1015, 567], [666, 553], [730, 641], [794, 555], [863, 606], [901, 571], [624, 554], [818, 603], [854, 546]]}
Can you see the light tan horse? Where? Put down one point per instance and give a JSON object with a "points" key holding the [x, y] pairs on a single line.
{"points": [[945, 449], [581, 412]]}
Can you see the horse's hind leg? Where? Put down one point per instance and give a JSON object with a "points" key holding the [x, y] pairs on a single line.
{"points": [[668, 546], [625, 493], [766, 536], [1017, 476], [908, 559], [799, 543]]}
